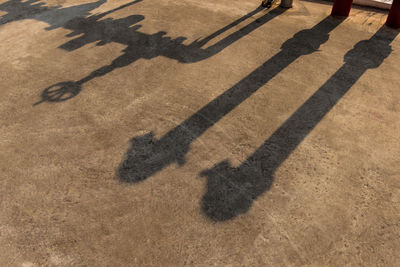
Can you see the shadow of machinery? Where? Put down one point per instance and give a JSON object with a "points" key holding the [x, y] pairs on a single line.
{"points": [[96, 29], [88, 28]]}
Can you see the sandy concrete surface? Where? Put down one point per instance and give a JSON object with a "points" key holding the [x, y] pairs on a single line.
{"points": [[197, 133]]}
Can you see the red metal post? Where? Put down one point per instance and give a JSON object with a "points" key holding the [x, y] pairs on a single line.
{"points": [[341, 8], [393, 19]]}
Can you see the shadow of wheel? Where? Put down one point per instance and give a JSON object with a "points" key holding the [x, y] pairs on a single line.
{"points": [[61, 92]]}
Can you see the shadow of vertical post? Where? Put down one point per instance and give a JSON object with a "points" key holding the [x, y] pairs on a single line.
{"points": [[231, 191], [147, 156]]}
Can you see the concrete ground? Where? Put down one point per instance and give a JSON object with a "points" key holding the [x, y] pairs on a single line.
{"points": [[197, 133]]}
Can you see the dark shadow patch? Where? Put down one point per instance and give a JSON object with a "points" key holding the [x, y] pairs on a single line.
{"points": [[55, 16], [147, 156], [231, 191]]}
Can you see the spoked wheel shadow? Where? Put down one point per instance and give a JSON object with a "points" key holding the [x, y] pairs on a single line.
{"points": [[60, 92]]}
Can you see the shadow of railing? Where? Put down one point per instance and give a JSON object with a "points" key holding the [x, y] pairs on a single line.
{"points": [[232, 190], [147, 156]]}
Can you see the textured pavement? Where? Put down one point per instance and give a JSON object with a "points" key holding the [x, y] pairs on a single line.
{"points": [[197, 133]]}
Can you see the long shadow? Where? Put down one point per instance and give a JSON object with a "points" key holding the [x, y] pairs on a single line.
{"points": [[231, 191], [147, 156], [140, 45]]}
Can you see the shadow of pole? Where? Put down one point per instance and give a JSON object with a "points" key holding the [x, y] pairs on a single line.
{"points": [[147, 156], [232, 38], [231, 191], [230, 26]]}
